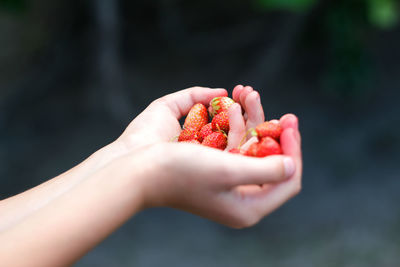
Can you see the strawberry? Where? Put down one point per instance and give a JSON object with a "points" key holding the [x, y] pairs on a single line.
{"points": [[188, 134], [219, 104], [271, 129], [205, 131], [192, 141], [221, 122], [252, 150], [235, 151], [269, 146], [216, 140], [197, 117], [266, 147]]}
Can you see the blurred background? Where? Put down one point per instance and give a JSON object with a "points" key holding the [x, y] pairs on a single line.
{"points": [[74, 73]]}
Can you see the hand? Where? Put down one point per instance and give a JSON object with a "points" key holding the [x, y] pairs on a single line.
{"points": [[159, 122], [214, 184], [78, 209]]}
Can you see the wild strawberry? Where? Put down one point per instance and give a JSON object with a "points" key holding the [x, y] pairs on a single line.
{"points": [[219, 104], [188, 134], [193, 141], [216, 140], [221, 122], [266, 147], [252, 150], [271, 129], [235, 151], [205, 131], [197, 117], [269, 146]]}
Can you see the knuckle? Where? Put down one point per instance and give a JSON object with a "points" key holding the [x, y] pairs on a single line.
{"points": [[196, 89], [159, 101], [278, 170]]}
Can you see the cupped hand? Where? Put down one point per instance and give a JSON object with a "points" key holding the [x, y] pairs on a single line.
{"points": [[211, 183], [221, 186], [159, 122]]}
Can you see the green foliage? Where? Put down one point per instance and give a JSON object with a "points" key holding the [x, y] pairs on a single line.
{"points": [[293, 5], [383, 13]]}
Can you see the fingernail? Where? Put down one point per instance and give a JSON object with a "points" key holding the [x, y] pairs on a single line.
{"points": [[289, 165]]}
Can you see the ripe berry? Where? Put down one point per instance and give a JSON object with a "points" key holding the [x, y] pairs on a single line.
{"points": [[221, 122], [219, 104], [188, 134], [267, 146], [197, 117], [268, 129], [205, 131], [193, 141], [235, 151], [216, 140]]}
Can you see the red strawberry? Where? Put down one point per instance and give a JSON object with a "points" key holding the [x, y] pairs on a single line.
{"points": [[221, 122], [235, 151], [219, 104], [266, 147], [252, 150], [216, 140], [193, 141], [205, 131], [188, 134], [269, 128], [197, 117], [269, 146]]}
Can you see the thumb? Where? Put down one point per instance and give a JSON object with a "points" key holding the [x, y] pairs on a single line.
{"points": [[182, 101]]}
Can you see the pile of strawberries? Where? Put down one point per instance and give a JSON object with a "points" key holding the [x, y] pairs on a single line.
{"points": [[198, 130]]}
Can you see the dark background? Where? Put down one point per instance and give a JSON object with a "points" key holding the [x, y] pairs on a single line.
{"points": [[74, 73]]}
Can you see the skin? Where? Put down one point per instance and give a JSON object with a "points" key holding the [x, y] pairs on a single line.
{"points": [[73, 212]]}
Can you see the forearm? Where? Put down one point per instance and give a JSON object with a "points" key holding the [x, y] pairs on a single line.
{"points": [[16, 208], [65, 229]]}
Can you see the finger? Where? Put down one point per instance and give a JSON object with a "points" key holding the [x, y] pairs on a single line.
{"points": [[289, 121], [289, 143], [236, 92], [245, 92], [181, 102], [291, 146], [237, 128], [270, 198], [254, 110], [227, 170], [256, 171]]}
